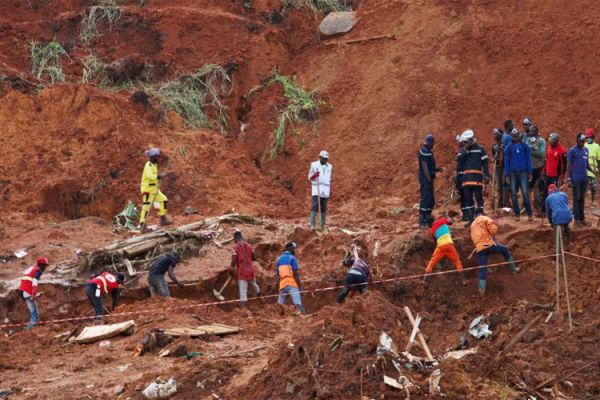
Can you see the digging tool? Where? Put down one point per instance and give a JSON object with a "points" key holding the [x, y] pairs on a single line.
{"points": [[219, 294], [319, 216], [494, 202]]}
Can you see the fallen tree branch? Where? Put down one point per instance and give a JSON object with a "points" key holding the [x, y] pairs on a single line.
{"points": [[360, 40], [556, 379]]}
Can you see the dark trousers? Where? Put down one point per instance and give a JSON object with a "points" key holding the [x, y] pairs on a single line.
{"points": [[500, 189], [315, 207], [518, 179], [473, 194], [482, 258], [352, 279], [427, 202], [97, 302], [545, 183], [579, 189], [537, 185]]}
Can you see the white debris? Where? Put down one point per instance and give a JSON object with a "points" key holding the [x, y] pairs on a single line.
{"points": [[434, 382], [479, 328], [105, 344], [162, 390], [123, 368], [20, 253], [386, 344], [458, 354]]}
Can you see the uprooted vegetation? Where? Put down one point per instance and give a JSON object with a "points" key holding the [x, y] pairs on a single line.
{"points": [[107, 11], [192, 95], [302, 107], [318, 6], [46, 60]]}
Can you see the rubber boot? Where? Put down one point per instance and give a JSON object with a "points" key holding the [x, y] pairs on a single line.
{"points": [[513, 268], [422, 219], [302, 310], [29, 326], [164, 220], [470, 218], [313, 215], [482, 284]]}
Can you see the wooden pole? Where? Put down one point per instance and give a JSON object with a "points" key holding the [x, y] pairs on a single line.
{"points": [[562, 252], [556, 230], [421, 338]]}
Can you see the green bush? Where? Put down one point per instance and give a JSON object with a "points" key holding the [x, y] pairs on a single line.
{"points": [[45, 60]]}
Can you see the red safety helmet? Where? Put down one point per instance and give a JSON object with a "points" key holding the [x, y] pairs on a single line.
{"points": [[589, 132], [42, 261]]}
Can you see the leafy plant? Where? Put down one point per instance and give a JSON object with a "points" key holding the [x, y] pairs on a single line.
{"points": [[317, 6], [247, 5], [45, 60], [107, 11], [191, 95], [300, 104]]}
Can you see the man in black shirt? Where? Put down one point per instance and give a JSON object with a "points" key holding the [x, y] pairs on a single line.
{"points": [[156, 276]]}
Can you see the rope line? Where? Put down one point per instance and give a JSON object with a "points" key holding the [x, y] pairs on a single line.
{"points": [[315, 290]]}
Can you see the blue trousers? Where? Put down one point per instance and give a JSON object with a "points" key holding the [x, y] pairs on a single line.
{"points": [[518, 180], [33, 310], [482, 258], [427, 203]]}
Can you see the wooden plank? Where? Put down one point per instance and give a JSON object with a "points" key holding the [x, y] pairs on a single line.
{"points": [[212, 329], [142, 247], [421, 338], [99, 332]]}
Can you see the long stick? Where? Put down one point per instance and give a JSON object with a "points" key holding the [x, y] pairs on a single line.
{"points": [[421, 338], [556, 230], [562, 252], [319, 216], [494, 202]]}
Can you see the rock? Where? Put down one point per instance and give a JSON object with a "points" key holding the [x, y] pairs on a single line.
{"points": [[338, 22], [189, 210], [291, 388], [532, 335], [118, 389], [497, 319]]}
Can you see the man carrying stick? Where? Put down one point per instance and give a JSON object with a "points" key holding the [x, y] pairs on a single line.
{"points": [[319, 176]]}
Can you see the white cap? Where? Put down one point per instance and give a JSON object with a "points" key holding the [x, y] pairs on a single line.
{"points": [[153, 152], [324, 154]]}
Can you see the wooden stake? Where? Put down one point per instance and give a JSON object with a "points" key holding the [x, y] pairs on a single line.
{"points": [[562, 252], [556, 230], [369, 39], [421, 338]]}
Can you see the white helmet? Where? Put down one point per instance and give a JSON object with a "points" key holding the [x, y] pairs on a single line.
{"points": [[467, 135]]}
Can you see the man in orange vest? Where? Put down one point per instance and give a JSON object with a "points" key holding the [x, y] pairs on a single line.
{"points": [[483, 233], [28, 288], [102, 284], [286, 270]]}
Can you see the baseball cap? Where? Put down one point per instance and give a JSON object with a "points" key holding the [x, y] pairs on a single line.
{"points": [[324, 154], [42, 261], [589, 132], [551, 187]]}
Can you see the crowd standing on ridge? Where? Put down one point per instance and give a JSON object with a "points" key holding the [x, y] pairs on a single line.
{"points": [[523, 162]]}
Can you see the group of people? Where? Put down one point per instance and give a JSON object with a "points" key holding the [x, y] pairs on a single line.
{"points": [[523, 162]]}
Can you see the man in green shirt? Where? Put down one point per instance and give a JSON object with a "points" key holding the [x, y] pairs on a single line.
{"points": [[537, 146]]}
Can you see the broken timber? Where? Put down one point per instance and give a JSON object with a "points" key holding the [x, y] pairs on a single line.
{"points": [[202, 330], [94, 333], [420, 335]]}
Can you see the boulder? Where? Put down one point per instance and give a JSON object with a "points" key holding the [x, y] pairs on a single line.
{"points": [[338, 22]]}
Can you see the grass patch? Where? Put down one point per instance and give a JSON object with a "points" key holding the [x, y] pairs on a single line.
{"points": [[93, 69], [45, 60], [300, 104], [192, 95], [317, 6], [107, 11]]}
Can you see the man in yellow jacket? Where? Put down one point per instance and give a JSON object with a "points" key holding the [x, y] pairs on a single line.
{"points": [[483, 233], [150, 190]]}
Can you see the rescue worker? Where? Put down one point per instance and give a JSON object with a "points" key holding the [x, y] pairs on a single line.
{"points": [[156, 275], [241, 259], [150, 190], [558, 212], [358, 273], [556, 165], [498, 159], [483, 233], [458, 182], [29, 286], [517, 172], [537, 150], [473, 162], [319, 176], [440, 232], [577, 168], [287, 272], [593, 161], [427, 171], [101, 285]]}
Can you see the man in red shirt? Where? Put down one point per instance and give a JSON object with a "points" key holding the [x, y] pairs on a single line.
{"points": [[241, 259], [556, 165]]}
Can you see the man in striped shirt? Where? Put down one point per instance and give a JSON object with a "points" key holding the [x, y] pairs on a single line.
{"points": [[440, 232]]}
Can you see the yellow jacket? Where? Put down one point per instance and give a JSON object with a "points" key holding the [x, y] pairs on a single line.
{"points": [[149, 182], [483, 231]]}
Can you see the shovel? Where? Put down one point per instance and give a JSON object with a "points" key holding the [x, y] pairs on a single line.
{"points": [[218, 294]]}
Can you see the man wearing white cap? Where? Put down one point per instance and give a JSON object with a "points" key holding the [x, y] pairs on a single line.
{"points": [[319, 176], [150, 190]]}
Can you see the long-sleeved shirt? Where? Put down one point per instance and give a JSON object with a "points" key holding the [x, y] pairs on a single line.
{"points": [[149, 178], [593, 158], [483, 232], [557, 208], [537, 148], [578, 163], [517, 158], [323, 181], [473, 163]]}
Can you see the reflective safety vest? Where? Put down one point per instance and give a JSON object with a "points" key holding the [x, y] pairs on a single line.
{"points": [[28, 281], [106, 282], [286, 276]]}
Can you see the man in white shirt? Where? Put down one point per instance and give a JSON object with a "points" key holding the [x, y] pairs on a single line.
{"points": [[319, 176]]}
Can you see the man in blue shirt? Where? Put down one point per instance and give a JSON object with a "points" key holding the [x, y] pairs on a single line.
{"points": [[557, 210], [286, 271], [517, 169], [577, 167], [427, 170]]}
